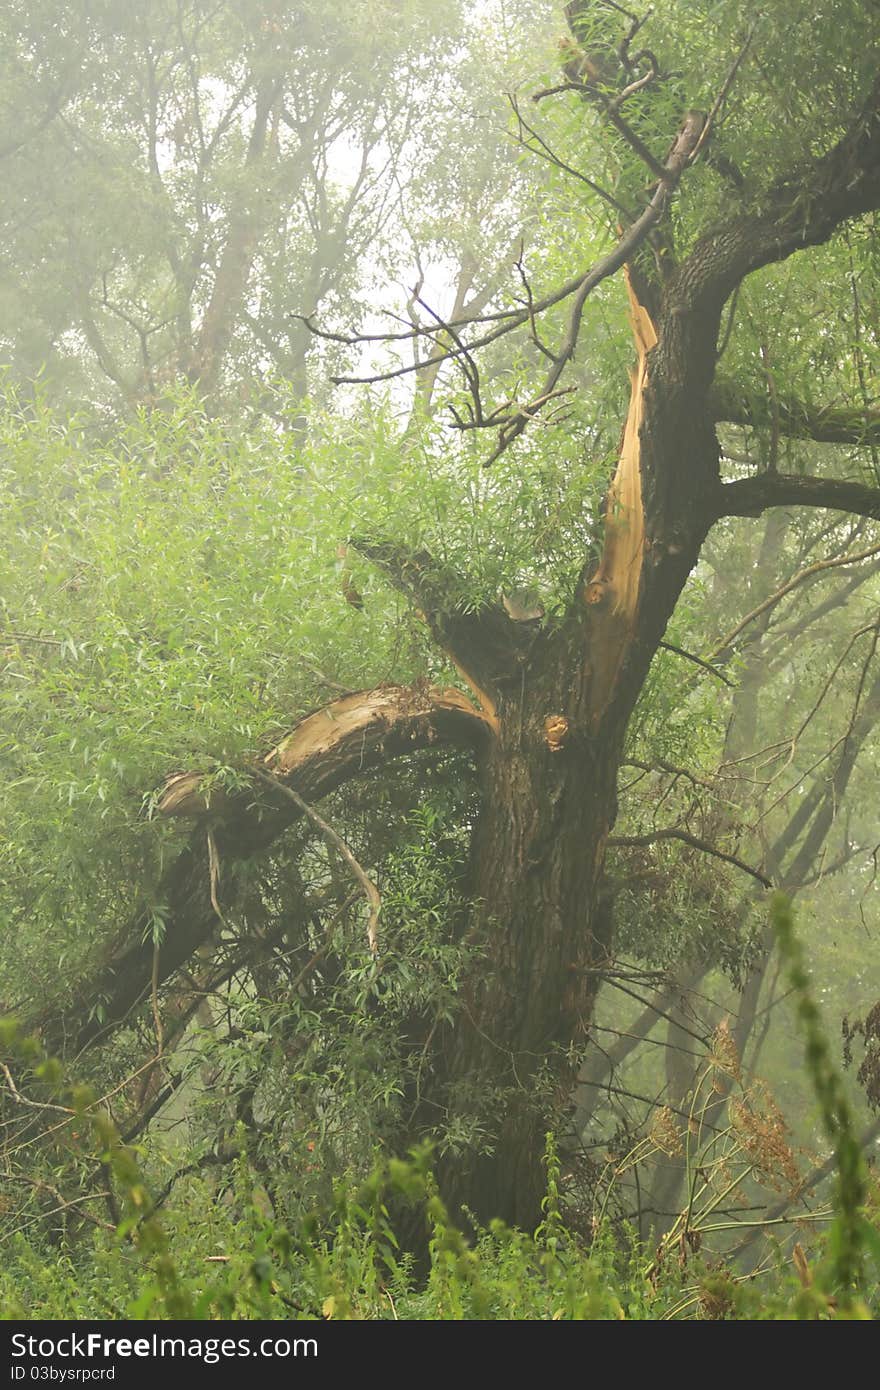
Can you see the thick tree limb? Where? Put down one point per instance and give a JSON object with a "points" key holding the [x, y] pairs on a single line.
{"points": [[433, 587], [751, 496], [683, 494], [485, 645], [803, 209], [825, 425], [678, 456], [351, 736]]}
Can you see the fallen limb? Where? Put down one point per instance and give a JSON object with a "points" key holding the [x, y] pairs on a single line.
{"points": [[332, 746]]}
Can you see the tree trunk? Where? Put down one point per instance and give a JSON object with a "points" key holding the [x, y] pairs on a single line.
{"points": [[538, 858]]}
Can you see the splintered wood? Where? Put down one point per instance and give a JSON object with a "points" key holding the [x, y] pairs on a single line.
{"points": [[616, 582], [334, 726], [338, 741], [613, 590]]}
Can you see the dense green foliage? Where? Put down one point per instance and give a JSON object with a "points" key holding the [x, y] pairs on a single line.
{"points": [[345, 1259]]}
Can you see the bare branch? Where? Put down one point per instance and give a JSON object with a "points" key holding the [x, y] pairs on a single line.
{"points": [[508, 320], [725, 89], [541, 148], [371, 892], [611, 108], [626, 247], [32, 1104], [698, 661], [530, 304], [673, 833], [836, 562]]}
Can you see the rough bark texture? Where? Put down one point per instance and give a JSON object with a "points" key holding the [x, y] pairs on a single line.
{"points": [[549, 801], [823, 424]]}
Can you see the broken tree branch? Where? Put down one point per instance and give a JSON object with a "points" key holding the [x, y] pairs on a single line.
{"points": [[347, 738]]}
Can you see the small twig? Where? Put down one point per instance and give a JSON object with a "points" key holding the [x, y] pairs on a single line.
{"points": [[64, 1203], [530, 305], [371, 892], [859, 352], [725, 88], [611, 109], [662, 765], [637, 22], [469, 370], [542, 149], [325, 680], [30, 637], [773, 455], [836, 562], [698, 661], [32, 1104]]}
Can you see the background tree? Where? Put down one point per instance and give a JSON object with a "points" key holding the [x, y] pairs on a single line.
{"points": [[180, 180]]}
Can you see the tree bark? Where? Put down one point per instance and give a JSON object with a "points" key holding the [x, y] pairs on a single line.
{"points": [[538, 861]]}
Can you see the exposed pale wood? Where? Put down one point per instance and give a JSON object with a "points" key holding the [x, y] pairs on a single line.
{"points": [[336, 733], [613, 590], [621, 566]]}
